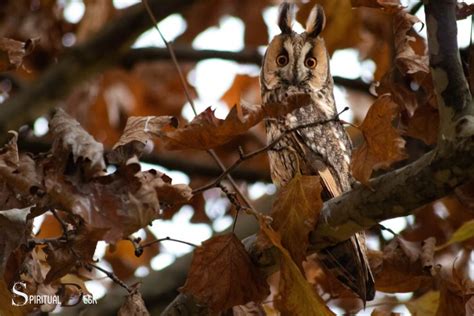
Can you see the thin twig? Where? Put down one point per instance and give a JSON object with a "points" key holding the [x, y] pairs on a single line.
{"points": [[112, 276], [139, 247], [252, 154], [184, 84]]}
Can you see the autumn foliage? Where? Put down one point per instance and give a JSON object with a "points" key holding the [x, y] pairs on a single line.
{"points": [[83, 184]]}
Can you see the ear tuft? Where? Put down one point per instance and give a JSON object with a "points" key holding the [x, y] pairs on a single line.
{"points": [[316, 21], [285, 18]]}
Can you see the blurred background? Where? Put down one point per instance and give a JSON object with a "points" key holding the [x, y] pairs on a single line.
{"points": [[219, 45]]}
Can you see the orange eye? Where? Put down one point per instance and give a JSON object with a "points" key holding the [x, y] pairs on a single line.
{"points": [[310, 62], [282, 60]]}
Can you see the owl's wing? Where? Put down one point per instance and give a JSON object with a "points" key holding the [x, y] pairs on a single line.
{"points": [[346, 260]]}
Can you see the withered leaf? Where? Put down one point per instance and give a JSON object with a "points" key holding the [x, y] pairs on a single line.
{"points": [[463, 10], [424, 124], [9, 153], [456, 286], [133, 305], [382, 142], [222, 275], [425, 305], [406, 59], [79, 248], [138, 131], [403, 265], [295, 212], [12, 52], [296, 296], [71, 138], [207, 131], [13, 232]]}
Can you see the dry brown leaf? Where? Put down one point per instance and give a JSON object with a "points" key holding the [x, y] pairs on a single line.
{"points": [[12, 52], [71, 138], [406, 59], [13, 233], [222, 275], [424, 124], [296, 295], [295, 213], [404, 266], [133, 305], [9, 152], [456, 286], [138, 132], [63, 256], [383, 144], [207, 131], [463, 10]]}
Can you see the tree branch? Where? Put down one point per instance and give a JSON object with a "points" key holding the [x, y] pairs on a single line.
{"points": [[82, 61], [451, 87], [187, 53]]}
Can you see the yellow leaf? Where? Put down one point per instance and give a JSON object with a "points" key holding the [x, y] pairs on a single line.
{"points": [[295, 212], [296, 296], [425, 305], [463, 233]]}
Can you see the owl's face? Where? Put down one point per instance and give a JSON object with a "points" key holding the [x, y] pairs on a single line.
{"points": [[293, 62]]}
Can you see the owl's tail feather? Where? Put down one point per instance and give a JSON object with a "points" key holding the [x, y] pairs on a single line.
{"points": [[348, 262]]}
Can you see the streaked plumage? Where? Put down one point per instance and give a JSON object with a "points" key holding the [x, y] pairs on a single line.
{"points": [[296, 63]]}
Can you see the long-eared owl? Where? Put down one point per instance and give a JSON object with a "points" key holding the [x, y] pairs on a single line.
{"points": [[299, 63]]}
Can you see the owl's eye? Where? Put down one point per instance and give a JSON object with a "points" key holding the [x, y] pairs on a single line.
{"points": [[282, 60], [310, 62]]}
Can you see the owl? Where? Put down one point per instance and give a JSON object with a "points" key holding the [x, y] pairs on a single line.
{"points": [[299, 63]]}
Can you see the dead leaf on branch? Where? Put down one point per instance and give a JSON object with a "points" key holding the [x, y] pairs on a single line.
{"points": [[404, 266], [13, 233], [296, 295], [295, 213], [206, 131], [12, 52], [465, 232], [425, 305], [133, 305], [79, 248], [382, 145], [222, 275], [71, 138], [9, 153], [463, 10], [138, 132]]}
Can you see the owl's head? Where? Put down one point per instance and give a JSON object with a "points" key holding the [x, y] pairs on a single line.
{"points": [[296, 62]]}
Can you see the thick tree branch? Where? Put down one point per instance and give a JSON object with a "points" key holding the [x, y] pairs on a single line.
{"points": [[451, 87], [82, 61]]}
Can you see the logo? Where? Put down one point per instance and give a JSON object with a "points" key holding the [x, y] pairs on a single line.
{"points": [[21, 298]]}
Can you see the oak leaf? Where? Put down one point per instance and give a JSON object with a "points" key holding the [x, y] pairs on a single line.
{"points": [[222, 275], [207, 131], [382, 144], [424, 124], [295, 213], [138, 132], [296, 295], [71, 138]]}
